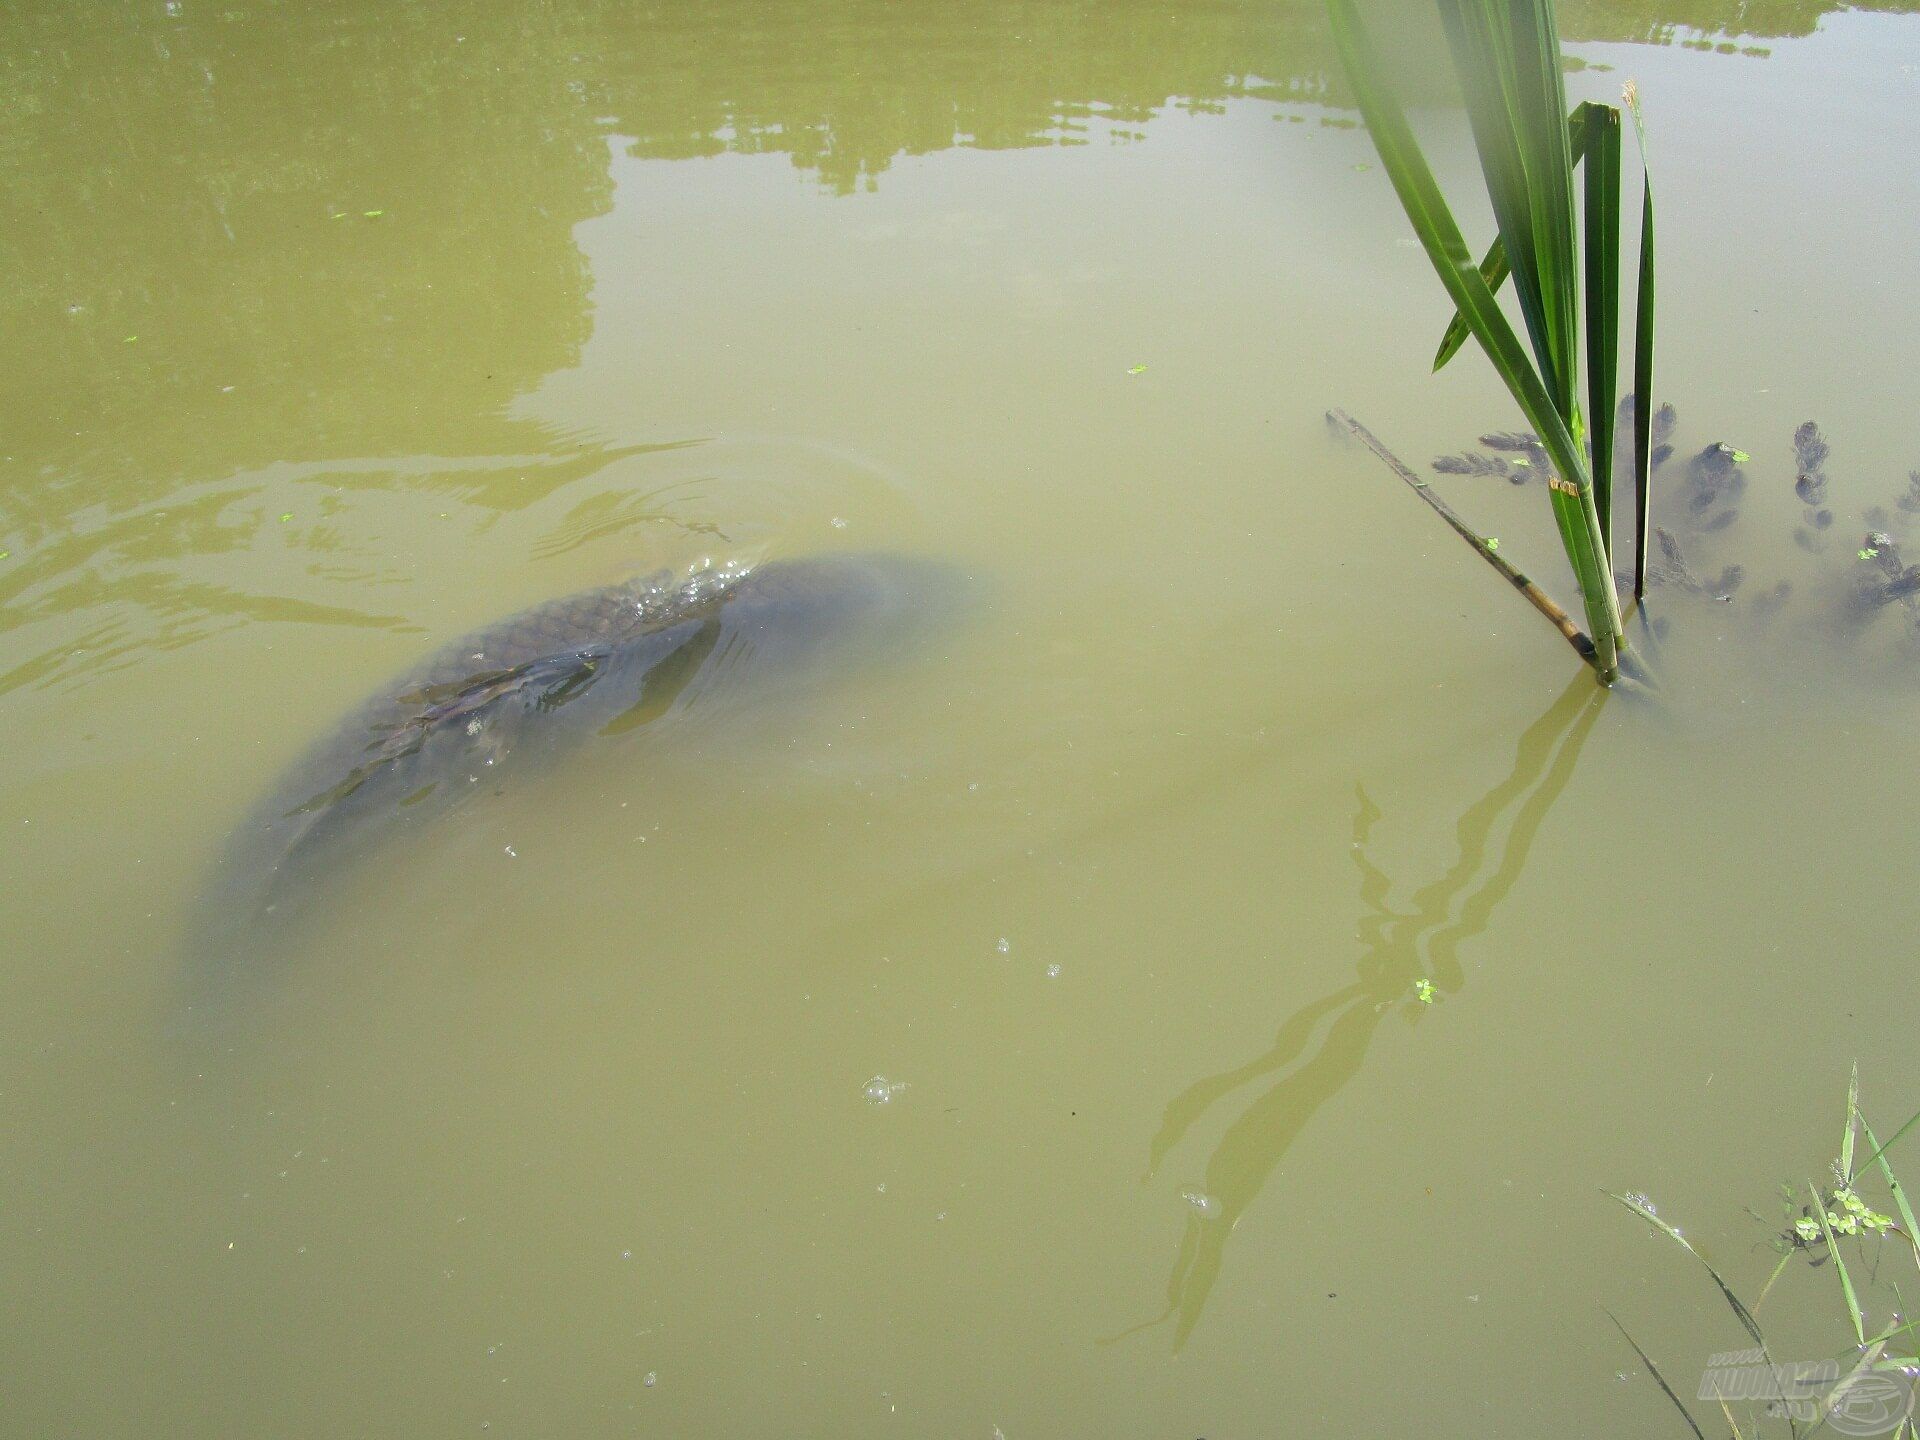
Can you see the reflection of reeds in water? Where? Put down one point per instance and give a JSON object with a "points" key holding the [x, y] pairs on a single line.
{"points": [[1400, 950]]}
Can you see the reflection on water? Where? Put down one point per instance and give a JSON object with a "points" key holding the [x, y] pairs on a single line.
{"points": [[1664, 22], [250, 237], [1401, 948], [331, 217]]}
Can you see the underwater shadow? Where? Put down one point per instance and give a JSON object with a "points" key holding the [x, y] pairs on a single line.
{"points": [[1408, 957]]}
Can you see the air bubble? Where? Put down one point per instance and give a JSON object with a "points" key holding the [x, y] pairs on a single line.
{"points": [[880, 1090]]}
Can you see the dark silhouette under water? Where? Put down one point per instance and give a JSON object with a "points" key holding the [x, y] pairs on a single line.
{"points": [[528, 689]]}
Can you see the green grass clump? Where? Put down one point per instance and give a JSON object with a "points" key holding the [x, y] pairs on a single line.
{"points": [[1837, 1224]]}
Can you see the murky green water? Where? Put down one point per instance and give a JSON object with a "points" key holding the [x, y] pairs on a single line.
{"points": [[329, 333]]}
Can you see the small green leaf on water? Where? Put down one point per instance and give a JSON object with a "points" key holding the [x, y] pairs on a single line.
{"points": [[1424, 989], [1739, 457], [285, 516], [1363, 165], [373, 214], [1136, 369], [1493, 542], [130, 339], [1869, 553], [4, 554]]}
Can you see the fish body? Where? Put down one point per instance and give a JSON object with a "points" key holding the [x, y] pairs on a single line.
{"points": [[536, 686]]}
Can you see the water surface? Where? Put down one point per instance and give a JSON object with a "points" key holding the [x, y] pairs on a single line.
{"points": [[333, 333]]}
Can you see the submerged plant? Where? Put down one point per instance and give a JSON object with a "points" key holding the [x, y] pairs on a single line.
{"points": [[1847, 587], [1507, 56]]}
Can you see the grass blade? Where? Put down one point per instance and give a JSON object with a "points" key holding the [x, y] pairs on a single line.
{"points": [[1493, 270], [1654, 1370], [1484, 60], [1539, 101], [1880, 1150], [1642, 361], [1745, 1316], [1886, 1171], [1493, 265], [1840, 1267], [1853, 1120], [1785, 1260], [1603, 301]]}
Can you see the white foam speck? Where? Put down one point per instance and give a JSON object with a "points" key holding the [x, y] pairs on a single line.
{"points": [[880, 1090], [1206, 1204]]}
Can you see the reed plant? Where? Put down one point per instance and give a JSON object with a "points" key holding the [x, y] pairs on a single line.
{"points": [[1506, 55]]}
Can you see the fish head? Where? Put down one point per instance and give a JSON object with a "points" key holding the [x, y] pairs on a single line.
{"points": [[876, 604]]}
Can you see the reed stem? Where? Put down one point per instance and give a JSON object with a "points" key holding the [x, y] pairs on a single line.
{"points": [[1581, 642]]}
